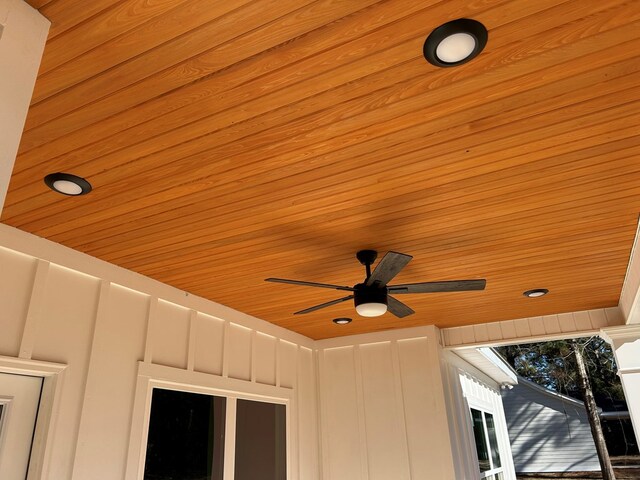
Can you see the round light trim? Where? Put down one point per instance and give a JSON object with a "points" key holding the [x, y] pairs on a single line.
{"points": [[536, 292], [371, 309], [342, 321], [455, 42], [67, 184]]}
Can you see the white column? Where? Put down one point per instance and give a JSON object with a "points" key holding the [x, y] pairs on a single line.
{"points": [[625, 341], [23, 33]]}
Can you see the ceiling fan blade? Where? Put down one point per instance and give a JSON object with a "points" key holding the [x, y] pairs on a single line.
{"points": [[387, 268], [322, 305], [398, 308], [308, 284], [433, 287]]}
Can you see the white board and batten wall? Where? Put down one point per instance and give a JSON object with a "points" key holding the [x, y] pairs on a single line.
{"points": [[367, 407], [394, 405], [95, 321]]}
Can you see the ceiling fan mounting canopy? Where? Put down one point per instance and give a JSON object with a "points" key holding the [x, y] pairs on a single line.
{"points": [[372, 297]]}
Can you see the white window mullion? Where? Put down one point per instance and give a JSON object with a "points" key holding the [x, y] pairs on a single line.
{"points": [[486, 439], [230, 439]]}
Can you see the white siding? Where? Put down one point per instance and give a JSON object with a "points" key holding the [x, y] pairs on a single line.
{"points": [[382, 409], [102, 329], [548, 434], [469, 387]]}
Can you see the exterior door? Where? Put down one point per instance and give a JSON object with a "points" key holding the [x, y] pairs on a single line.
{"points": [[19, 400]]}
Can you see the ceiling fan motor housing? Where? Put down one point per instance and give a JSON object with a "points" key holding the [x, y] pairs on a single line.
{"points": [[363, 294]]}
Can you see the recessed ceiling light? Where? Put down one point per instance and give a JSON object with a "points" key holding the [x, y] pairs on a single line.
{"points": [[455, 42], [67, 184], [536, 292], [341, 321]]}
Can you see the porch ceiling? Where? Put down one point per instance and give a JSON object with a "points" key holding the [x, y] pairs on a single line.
{"points": [[232, 141]]}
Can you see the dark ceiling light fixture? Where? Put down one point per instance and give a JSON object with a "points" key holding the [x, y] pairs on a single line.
{"points": [[342, 321], [67, 184], [536, 292], [455, 43]]}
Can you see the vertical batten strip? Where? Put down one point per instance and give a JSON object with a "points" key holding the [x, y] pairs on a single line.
{"points": [[362, 424], [191, 355], [399, 396], [323, 427], [151, 318], [278, 363], [294, 408], [35, 308], [225, 349], [92, 373], [252, 353]]}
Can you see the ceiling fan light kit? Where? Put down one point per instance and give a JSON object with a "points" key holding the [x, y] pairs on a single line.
{"points": [[372, 297]]}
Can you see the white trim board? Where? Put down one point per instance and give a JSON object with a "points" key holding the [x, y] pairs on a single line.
{"points": [[152, 376], [534, 329], [25, 243], [52, 374], [630, 296]]}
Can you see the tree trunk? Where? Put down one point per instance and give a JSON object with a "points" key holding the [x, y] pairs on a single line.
{"points": [[592, 413]]}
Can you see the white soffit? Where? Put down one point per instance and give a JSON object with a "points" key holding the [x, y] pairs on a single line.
{"points": [[490, 363]]}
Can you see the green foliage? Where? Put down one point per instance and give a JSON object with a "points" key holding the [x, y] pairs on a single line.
{"points": [[553, 365]]}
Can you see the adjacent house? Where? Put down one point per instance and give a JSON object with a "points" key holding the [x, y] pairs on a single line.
{"points": [[548, 431]]}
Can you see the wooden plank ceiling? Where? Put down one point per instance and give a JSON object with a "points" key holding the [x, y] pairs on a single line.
{"points": [[232, 141]]}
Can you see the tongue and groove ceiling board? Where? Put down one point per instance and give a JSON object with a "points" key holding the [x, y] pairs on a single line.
{"points": [[228, 142]]}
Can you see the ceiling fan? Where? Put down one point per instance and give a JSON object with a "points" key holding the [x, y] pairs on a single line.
{"points": [[372, 297]]}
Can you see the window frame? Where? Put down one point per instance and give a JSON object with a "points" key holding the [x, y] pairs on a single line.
{"points": [[484, 410], [152, 376]]}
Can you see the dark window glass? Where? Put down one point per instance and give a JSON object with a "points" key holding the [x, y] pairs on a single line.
{"points": [[493, 441], [186, 436], [481, 443], [261, 441]]}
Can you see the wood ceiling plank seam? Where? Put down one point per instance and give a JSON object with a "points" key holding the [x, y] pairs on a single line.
{"points": [[263, 34], [65, 14], [294, 300], [220, 253], [415, 240], [266, 61], [441, 270], [90, 136], [433, 197], [443, 230], [121, 50], [460, 219], [83, 29], [427, 243], [38, 4], [529, 261], [92, 114]]}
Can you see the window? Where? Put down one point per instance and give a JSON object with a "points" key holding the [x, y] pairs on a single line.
{"points": [[484, 433], [187, 438]]}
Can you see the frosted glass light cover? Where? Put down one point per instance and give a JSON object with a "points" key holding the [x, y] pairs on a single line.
{"points": [[456, 47], [371, 309], [65, 186]]}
